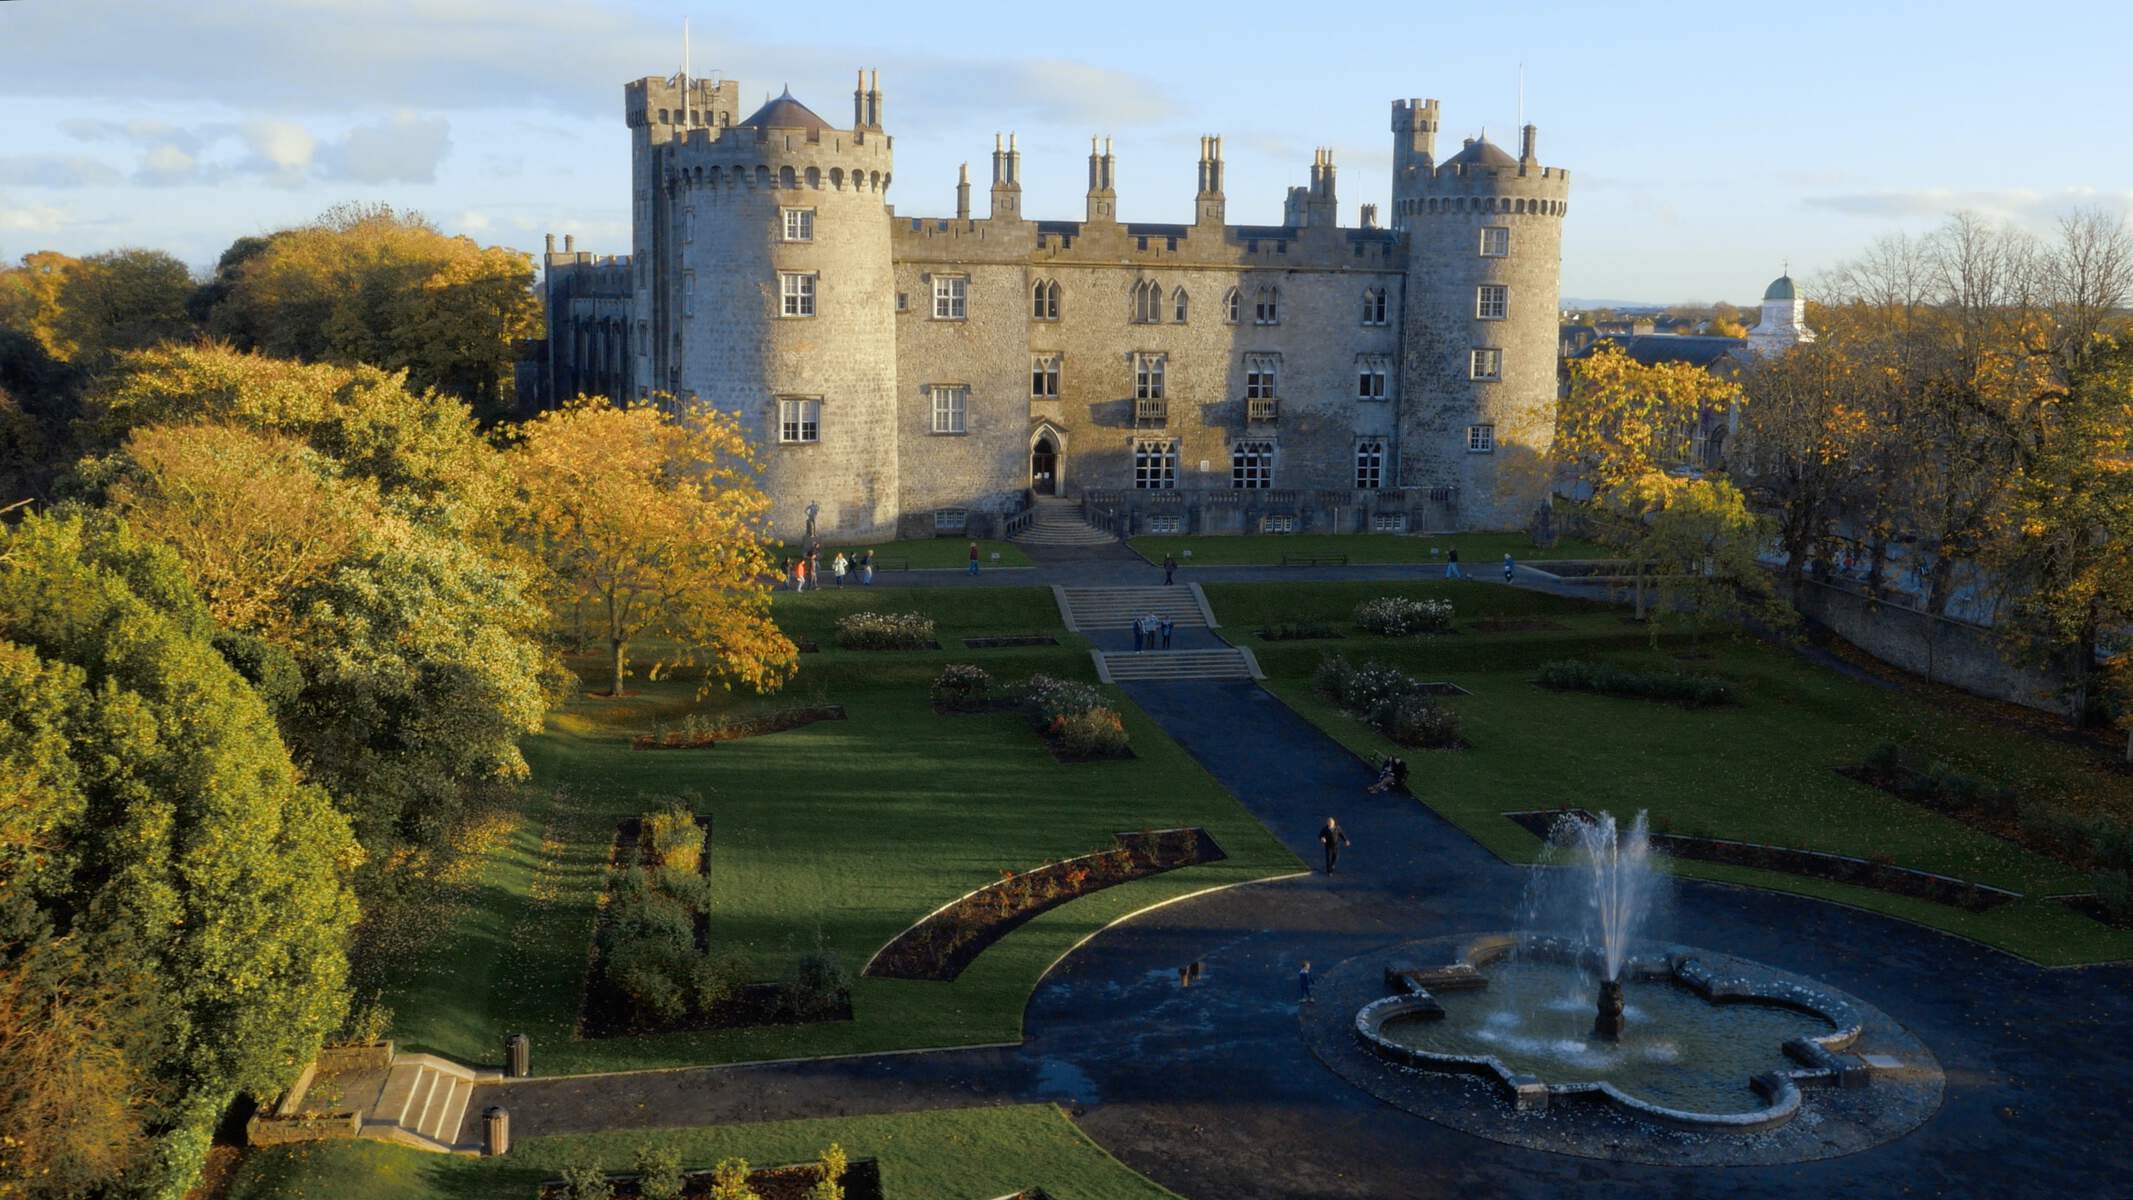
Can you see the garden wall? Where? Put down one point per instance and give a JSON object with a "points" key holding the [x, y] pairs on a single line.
{"points": [[1941, 649]]}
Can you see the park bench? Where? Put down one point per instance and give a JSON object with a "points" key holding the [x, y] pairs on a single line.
{"points": [[1314, 560]]}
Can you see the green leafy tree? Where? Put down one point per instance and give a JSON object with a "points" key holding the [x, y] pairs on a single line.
{"points": [[729, 1181], [832, 1166], [1701, 540], [659, 1175], [122, 300], [166, 833], [586, 1181]]}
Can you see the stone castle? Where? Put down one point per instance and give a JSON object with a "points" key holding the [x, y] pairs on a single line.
{"points": [[911, 376]]}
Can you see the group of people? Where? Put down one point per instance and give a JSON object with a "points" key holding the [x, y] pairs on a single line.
{"points": [[1452, 571], [805, 571], [1152, 632]]}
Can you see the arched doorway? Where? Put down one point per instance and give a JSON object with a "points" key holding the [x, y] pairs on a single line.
{"points": [[1044, 465]]}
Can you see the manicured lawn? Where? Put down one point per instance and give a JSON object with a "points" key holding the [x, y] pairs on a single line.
{"points": [[1763, 771], [1477, 551], [924, 553], [955, 1154], [838, 834]]}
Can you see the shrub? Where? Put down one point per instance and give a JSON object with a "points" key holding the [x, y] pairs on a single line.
{"points": [[1049, 700], [586, 1181], [1584, 675], [817, 980], [638, 911], [2114, 895], [1298, 631], [965, 687], [1415, 720], [832, 1166], [729, 1181], [1886, 758], [659, 1175], [653, 978], [676, 840], [1096, 733], [1330, 677], [885, 631], [1399, 616]]}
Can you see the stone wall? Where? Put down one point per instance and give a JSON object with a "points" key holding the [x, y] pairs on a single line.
{"points": [[1938, 649]]}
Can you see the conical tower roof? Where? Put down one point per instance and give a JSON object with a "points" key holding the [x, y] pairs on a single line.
{"points": [[786, 113]]}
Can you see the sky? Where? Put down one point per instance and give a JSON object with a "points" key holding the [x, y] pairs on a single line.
{"points": [[1709, 146]]}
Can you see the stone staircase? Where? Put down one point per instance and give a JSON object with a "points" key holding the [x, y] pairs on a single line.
{"points": [[1161, 666], [1118, 608], [1057, 522], [424, 1104]]}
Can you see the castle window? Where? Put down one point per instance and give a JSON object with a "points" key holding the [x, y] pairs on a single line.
{"points": [[1373, 306], [1166, 523], [951, 403], [688, 225], [1044, 300], [1391, 522], [1278, 523], [951, 520], [1148, 302], [796, 294], [1251, 465], [799, 421], [1148, 376], [1266, 306], [1370, 464], [951, 294], [1371, 373], [644, 337], [1495, 242], [799, 224], [1179, 304], [1155, 465], [688, 293], [1491, 301], [903, 302], [1259, 376], [1044, 376], [1485, 363], [1233, 307], [1481, 439]]}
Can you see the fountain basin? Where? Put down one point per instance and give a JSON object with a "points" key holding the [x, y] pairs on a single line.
{"points": [[1707, 1046]]}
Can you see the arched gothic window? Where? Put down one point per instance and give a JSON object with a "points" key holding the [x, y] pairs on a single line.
{"points": [[1148, 302], [1179, 306], [1233, 306], [1266, 306], [1373, 306], [1044, 300]]}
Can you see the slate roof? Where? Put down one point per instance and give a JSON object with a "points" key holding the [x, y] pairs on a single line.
{"points": [[1482, 153], [1699, 350], [1779, 289], [786, 113]]}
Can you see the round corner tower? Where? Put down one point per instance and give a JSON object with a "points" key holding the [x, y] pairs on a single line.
{"points": [[1478, 364], [783, 303]]}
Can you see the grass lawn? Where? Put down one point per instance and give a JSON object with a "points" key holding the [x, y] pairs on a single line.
{"points": [[924, 553], [1763, 771], [840, 834], [1477, 551], [957, 1154]]}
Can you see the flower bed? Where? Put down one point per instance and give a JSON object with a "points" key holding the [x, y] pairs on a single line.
{"points": [[861, 1181], [1392, 702], [1009, 640], [695, 732], [1585, 675], [653, 969], [1298, 631], [948, 939], [963, 687], [1516, 625], [1077, 722], [886, 631], [1399, 616]]}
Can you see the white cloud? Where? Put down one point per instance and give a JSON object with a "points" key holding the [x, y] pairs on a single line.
{"points": [[57, 171], [282, 151], [2022, 205], [403, 149], [34, 218], [167, 164], [472, 221]]}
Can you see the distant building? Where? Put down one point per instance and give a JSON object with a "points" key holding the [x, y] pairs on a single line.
{"points": [[1784, 321]]}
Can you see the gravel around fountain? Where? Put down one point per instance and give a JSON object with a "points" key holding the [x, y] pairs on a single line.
{"points": [[1831, 1122]]}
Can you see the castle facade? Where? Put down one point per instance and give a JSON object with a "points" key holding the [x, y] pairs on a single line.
{"points": [[909, 376]]}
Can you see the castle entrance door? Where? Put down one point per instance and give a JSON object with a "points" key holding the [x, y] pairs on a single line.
{"points": [[1044, 467]]}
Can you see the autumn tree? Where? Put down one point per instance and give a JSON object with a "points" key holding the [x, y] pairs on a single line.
{"points": [[172, 893], [653, 520], [1807, 431], [1701, 542], [122, 300], [369, 285]]}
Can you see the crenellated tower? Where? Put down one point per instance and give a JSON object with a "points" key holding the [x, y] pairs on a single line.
{"points": [[659, 113], [1478, 356], [784, 302]]}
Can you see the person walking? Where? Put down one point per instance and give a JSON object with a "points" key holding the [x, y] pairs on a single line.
{"points": [[799, 576], [1169, 627], [838, 566], [814, 565], [1170, 569], [1451, 565], [866, 569], [1303, 980], [1140, 632], [973, 558], [1509, 567], [1333, 837], [785, 575]]}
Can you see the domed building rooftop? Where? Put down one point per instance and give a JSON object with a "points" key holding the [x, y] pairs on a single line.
{"points": [[786, 113], [1780, 289], [1480, 152]]}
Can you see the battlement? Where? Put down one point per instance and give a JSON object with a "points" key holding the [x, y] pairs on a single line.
{"points": [[653, 101], [1150, 244]]}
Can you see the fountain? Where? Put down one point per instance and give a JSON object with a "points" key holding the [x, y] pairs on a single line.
{"points": [[1618, 875]]}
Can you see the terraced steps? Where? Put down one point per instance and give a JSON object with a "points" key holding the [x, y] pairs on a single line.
{"points": [[1059, 523], [1119, 608], [423, 1104], [1158, 666]]}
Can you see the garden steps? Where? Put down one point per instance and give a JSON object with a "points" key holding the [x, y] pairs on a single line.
{"points": [[424, 1104], [1159, 666], [1059, 523], [1119, 608]]}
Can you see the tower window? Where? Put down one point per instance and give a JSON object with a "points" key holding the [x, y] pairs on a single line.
{"points": [[799, 421], [1485, 363], [951, 297], [1495, 242], [1148, 302], [1148, 376], [1491, 301], [1373, 306], [1371, 373], [1251, 465], [688, 226], [1481, 439], [1044, 300], [1266, 306], [688, 293], [799, 224], [1155, 465], [1179, 306], [796, 295], [1259, 376], [1044, 376], [1370, 464], [951, 404], [1233, 307]]}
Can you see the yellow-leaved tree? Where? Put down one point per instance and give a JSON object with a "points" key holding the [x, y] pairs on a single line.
{"points": [[652, 521]]}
